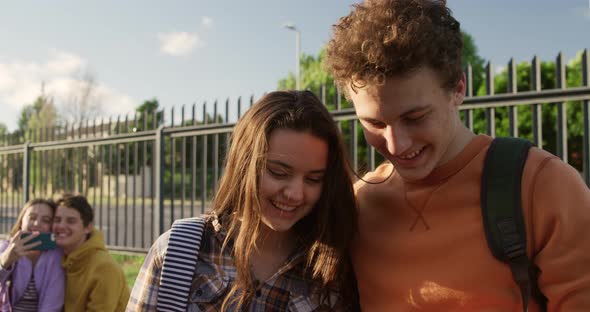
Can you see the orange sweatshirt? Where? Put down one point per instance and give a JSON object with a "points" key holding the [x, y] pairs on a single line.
{"points": [[421, 246]]}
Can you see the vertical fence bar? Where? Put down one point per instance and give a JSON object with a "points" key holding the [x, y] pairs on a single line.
{"points": [[3, 191], [87, 148], [158, 157], [227, 110], [468, 113], [586, 110], [31, 137], [354, 144], [154, 208], [14, 184], [101, 151], [173, 169], [193, 163], [537, 108], [62, 158], [44, 187], [9, 182], [323, 94], [69, 163], [239, 107], [80, 171], [182, 172], [227, 135], [561, 141], [71, 186], [19, 191], [26, 171], [144, 158], [204, 161], [126, 185], [134, 185], [490, 112], [371, 157], [215, 151], [512, 110], [109, 193], [56, 159], [117, 192]]}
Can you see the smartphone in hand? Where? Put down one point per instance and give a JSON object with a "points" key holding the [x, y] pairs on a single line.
{"points": [[47, 241]]}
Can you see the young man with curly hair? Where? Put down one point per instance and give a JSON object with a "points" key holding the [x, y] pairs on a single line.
{"points": [[421, 244]]}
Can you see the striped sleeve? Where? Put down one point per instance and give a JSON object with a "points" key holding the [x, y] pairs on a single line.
{"points": [[179, 264], [144, 295]]}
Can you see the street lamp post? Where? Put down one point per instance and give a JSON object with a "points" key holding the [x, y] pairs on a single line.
{"points": [[297, 55]]}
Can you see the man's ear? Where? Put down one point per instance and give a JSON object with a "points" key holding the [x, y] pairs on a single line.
{"points": [[89, 228], [459, 92]]}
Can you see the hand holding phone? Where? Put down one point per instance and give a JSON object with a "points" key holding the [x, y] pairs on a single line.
{"points": [[47, 241], [21, 245]]}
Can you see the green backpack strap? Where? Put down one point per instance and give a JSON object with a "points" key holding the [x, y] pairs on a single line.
{"points": [[502, 213]]}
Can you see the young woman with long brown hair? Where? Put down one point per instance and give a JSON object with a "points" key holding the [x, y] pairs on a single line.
{"points": [[31, 279], [282, 218]]}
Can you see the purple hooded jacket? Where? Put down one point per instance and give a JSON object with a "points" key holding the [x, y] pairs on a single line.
{"points": [[49, 280]]}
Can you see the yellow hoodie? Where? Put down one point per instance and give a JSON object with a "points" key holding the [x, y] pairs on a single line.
{"points": [[94, 281]]}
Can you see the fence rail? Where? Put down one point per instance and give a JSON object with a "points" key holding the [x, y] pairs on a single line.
{"points": [[143, 173]]}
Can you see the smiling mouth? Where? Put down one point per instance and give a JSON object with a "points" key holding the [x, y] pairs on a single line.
{"points": [[412, 155], [283, 207]]}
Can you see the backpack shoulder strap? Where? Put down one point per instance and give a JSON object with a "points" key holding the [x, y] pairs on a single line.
{"points": [[180, 261], [502, 212]]}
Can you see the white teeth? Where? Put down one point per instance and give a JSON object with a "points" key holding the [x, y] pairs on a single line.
{"points": [[412, 155], [284, 207]]}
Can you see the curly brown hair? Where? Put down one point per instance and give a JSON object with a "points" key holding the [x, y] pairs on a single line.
{"points": [[385, 38]]}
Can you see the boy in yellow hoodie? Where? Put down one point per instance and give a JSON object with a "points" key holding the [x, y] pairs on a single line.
{"points": [[94, 281]]}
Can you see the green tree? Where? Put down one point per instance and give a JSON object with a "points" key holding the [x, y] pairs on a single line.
{"points": [[549, 111], [24, 117], [3, 134], [44, 114], [313, 77], [41, 114], [146, 113]]}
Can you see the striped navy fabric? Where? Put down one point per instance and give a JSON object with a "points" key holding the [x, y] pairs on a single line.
{"points": [[179, 264], [29, 301]]}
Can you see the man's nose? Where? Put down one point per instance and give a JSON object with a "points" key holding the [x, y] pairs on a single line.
{"points": [[397, 140]]}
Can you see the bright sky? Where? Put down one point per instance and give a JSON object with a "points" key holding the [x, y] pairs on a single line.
{"points": [[184, 52]]}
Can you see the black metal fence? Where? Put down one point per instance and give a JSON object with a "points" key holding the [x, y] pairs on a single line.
{"points": [[142, 173]]}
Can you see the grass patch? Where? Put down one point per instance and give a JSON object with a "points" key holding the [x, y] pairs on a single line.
{"points": [[130, 264]]}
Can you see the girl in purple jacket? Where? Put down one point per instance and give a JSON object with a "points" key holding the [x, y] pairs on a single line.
{"points": [[31, 280]]}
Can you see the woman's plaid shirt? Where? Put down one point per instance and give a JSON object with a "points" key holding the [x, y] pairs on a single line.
{"points": [[286, 290]]}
